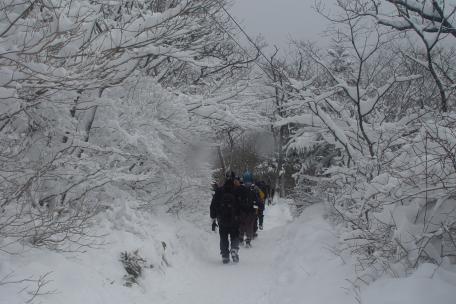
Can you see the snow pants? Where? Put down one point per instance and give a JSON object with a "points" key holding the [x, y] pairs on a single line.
{"points": [[227, 234], [247, 222]]}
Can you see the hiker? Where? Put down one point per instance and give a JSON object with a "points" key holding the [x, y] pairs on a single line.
{"points": [[263, 195], [255, 196], [272, 192], [247, 212], [225, 210], [269, 193]]}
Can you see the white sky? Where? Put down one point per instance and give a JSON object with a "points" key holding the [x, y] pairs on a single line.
{"points": [[278, 20]]}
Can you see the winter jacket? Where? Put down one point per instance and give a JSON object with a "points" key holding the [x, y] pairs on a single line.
{"points": [[217, 211], [247, 197]]}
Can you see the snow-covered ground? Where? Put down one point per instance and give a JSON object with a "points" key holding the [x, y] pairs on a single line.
{"points": [[291, 262]]}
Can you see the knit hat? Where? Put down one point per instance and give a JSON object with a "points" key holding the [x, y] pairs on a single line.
{"points": [[248, 177]]}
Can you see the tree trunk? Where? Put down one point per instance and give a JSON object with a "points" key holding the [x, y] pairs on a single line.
{"points": [[87, 126], [279, 174], [72, 113], [89, 122], [222, 160]]}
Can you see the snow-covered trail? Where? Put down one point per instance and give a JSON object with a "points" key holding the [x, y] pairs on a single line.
{"points": [[288, 263]]}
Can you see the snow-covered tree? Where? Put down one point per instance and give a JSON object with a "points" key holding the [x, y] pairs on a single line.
{"points": [[394, 165], [103, 97]]}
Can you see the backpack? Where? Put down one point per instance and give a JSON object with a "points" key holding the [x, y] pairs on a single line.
{"points": [[263, 187], [262, 195], [248, 199], [226, 212]]}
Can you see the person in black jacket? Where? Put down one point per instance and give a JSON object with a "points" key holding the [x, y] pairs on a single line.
{"points": [[247, 201], [225, 209]]}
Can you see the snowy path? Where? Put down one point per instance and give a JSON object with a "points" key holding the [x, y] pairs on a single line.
{"points": [[285, 265], [290, 263]]}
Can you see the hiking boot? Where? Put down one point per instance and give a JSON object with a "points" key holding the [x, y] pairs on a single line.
{"points": [[225, 259], [235, 255]]}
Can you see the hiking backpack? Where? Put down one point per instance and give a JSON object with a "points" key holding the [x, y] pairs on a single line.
{"points": [[226, 212], [249, 199], [263, 187]]}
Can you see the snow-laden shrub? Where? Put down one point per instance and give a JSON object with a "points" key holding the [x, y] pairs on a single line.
{"points": [[143, 142], [79, 111], [404, 212], [392, 181], [133, 264]]}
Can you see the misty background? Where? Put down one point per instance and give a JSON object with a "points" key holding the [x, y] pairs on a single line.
{"points": [[279, 21]]}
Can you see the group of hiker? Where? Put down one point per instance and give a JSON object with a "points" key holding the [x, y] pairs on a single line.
{"points": [[237, 208]]}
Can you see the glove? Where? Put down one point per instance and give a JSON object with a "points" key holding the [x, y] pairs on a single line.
{"points": [[214, 224]]}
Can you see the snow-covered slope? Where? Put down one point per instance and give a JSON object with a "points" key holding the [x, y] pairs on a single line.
{"points": [[292, 261]]}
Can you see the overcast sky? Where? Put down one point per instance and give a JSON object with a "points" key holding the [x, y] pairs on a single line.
{"points": [[277, 20]]}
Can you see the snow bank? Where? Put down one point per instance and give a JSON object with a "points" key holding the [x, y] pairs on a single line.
{"points": [[97, 275], [310, 269], [427, 285]]}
